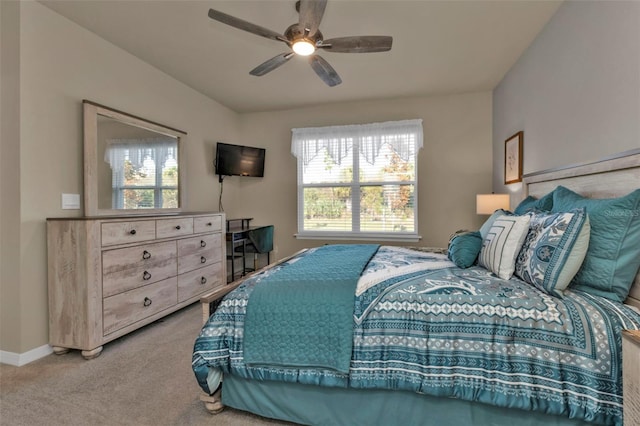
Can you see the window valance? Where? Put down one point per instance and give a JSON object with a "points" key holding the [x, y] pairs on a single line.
{"points": [[405, 138], [137, 150]]}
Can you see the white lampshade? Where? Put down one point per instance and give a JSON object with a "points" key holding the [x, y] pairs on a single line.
{"points": [[489, 203]]}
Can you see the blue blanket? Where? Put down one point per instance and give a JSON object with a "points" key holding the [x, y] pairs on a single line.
{"points": [[295, 315], [424, 326]]}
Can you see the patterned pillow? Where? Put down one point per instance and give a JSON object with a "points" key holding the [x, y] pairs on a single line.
{"points": [[501, 245], [553, 250], [484, 229]]}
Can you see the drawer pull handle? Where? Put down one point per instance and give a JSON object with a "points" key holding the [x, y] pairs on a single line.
{"points": [[146, 255], [203, 280], [203, 243], [209, 224], [203, 259], [178, 227], [146, 276], [147, 301], [132, 232]]}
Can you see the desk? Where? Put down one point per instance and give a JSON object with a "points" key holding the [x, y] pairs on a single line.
{"points": [[241, 223], [237, 236]]}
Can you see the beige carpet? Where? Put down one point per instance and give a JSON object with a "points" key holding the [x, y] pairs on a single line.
{"points": [[144, 378]]}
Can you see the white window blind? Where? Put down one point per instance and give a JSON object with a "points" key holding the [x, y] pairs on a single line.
{"points": [[144, 172], [358, 180]]}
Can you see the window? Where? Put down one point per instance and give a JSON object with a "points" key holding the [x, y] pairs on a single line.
{"points": [[358, 181], [144, 173]]}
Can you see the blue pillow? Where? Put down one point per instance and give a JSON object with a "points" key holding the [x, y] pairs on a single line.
{"points": [[553, 250], [613, 257], [464, 248], [529, 204]]}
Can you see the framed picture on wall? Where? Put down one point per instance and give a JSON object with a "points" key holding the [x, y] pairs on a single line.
{"points": [[513, 158]]}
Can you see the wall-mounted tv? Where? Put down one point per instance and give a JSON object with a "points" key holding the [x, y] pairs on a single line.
{"points": [[239, 160]]}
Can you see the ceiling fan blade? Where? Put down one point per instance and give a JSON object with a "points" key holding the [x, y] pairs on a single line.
{"points": [[271, 64], [246, 26], [311, 12], [358, 44], [324, 70]]}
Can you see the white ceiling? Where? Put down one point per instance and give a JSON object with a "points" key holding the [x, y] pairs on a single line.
{"points": [[439, 47]]}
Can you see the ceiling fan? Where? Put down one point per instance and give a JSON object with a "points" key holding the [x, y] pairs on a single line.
{"points": [[305, 39]]}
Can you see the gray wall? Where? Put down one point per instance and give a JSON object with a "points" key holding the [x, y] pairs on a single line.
{"points": [[50, 64], [575, 92], [9, 170], [453, 166]]}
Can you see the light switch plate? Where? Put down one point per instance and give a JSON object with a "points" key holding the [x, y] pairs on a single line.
{"points": [[70, 201]]}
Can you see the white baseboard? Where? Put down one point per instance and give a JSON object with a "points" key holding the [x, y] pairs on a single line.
{"points": [[24, 358]]}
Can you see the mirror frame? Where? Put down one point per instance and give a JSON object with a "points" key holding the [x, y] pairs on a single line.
{"points": [[91, 111]]}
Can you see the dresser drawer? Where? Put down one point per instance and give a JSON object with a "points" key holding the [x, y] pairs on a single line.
{"points": [[131, 306], [128, 279], [133, 257], [207, 224], [198, 260], [198, 244], [198, 281], [113, 233], [174, 227]]}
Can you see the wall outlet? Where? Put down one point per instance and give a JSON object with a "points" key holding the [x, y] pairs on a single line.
{"points": [[70, 201]]}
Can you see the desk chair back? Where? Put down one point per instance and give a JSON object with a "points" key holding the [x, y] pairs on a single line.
{"points": [[260, 239]]}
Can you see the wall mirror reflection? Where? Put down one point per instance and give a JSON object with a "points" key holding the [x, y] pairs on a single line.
{"points": [[132, 165]]}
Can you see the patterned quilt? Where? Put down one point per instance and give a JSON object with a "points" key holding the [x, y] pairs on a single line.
{"points": [[421, 324]]}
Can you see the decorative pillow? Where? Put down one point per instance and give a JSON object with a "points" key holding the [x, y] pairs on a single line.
{"points": [[464, 248], [502, 244], [613, 257], [484, 229], [529, 204], [553, 250]]}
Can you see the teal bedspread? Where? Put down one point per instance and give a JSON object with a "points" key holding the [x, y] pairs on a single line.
{"points": [[422, 325], [294, 316]]}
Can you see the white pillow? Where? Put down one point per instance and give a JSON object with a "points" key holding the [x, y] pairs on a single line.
{"points": [[501, 245], [486, 226]]}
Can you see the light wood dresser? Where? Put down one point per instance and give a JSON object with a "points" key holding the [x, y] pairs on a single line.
{"points": [[109, 276], [631, 376]]}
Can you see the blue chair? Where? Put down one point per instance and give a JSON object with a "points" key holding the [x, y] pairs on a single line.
{"points": [[260, 241]]}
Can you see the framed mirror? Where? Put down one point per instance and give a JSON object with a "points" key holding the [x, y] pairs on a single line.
{"points": [[132, 166]]}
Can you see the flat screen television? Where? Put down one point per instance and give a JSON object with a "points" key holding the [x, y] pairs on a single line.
{"points": [[239, 160]]}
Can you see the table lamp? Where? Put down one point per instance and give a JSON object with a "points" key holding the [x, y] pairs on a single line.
{"points": [[489, 203]]}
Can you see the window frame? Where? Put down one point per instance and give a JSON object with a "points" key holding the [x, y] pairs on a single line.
{"points": [[356, 185], [119, 188]]}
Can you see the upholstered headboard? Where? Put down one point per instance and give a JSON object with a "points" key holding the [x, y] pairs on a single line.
{"points": [[611, 177]]}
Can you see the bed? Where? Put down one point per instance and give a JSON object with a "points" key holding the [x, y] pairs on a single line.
{"points": [[430, 343]]}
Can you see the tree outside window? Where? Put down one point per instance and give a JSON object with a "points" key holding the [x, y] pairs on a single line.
{"points": [[358, 180]]}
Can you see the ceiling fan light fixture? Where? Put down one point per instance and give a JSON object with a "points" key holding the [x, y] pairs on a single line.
{"points": [[304, 38], [303, 47]]}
